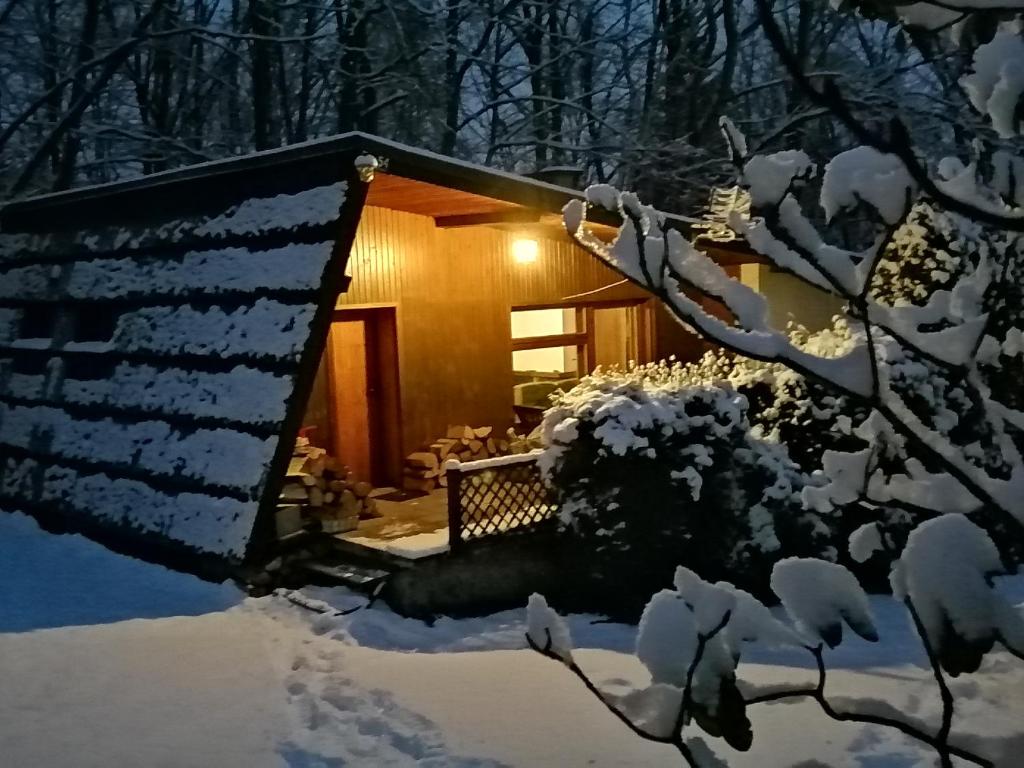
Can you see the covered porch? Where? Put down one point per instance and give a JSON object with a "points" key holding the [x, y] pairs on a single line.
{"points": [[459, 309]]}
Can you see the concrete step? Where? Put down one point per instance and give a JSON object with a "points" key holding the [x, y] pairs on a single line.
{"points": [[332, 570], [369, 555]]}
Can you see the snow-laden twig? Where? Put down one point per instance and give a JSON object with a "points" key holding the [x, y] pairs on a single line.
{"points": [[675, 736], [546, 651], [324, 609], [817, 693], [946, 696]]}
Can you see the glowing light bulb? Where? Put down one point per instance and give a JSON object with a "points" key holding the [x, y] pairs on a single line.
{"points": [[524, 250]]}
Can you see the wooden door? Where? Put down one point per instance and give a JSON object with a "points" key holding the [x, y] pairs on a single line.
{"points": [[363, 381], [350, 396]]}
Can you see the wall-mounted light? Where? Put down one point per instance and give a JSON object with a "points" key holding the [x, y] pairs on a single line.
{"points": [[524, 250]]}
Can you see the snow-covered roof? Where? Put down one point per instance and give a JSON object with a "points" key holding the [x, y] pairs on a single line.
{"points": [[153, 350]]}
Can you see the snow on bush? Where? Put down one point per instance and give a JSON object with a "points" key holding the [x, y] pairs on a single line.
{"points": [[750, 620], [692, 638], [820, 597], [685, 649], [771, 176], [785, 406], [666, 639], [865, 542], [945, 572], [865, 175], [997, 82], [650, 470], [932, 253], [546, 629]]}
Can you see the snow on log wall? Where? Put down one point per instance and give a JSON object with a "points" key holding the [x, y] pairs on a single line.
{"points": [[145, 370]]}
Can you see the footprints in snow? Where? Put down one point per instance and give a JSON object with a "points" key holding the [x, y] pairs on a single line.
{"points": [[339, 723]]}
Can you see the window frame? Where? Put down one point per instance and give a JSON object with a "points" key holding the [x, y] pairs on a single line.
{"points": [[583, 338], [579, 338]]}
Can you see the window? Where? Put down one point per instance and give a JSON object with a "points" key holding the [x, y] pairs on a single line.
{"points": [[527, 323], [549, 360], [553, 347], [533, 327], [548, 353]]}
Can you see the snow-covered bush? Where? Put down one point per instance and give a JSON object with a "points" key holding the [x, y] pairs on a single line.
{"points": [[933, 435], [651, 471], [785, 406]]}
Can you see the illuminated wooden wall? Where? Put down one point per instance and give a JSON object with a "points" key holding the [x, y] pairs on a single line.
{"points": [[454, 290]]}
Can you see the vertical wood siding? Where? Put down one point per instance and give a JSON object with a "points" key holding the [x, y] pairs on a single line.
{"points": [[454, 290]]}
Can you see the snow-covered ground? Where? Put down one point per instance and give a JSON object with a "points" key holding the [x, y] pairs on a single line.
{"points": [[105, 661]]}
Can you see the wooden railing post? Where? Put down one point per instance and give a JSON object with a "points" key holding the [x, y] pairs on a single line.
{"points": [[454, 476]]}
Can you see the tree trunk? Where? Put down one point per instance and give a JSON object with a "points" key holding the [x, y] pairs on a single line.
{"points": [[86, 50], [264, 133], [556, 87], [452, 81], [305, 76]]}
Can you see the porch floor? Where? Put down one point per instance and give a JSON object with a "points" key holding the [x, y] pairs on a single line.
{"points": [[412, 529]]}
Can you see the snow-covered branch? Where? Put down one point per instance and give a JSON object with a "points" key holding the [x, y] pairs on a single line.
{"points": [[691, 639], [667, 264], [945, 333]]}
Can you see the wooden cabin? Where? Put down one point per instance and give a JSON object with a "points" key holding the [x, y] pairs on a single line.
{"points": [[163, 341]]}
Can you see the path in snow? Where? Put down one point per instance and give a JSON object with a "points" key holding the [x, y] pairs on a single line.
{"points": [[106, 661]]}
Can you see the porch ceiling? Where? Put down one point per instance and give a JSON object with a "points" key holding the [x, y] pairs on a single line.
{"points": [[425, 199], [457, 208]]}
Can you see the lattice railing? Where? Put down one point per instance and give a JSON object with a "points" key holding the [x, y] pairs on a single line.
{"points": [[495, 496]]}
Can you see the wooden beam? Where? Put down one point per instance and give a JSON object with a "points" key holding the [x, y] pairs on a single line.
{"points": [[514, 216], [543, 342]]}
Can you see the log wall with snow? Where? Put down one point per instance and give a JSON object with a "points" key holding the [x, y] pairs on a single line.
{"points": [[148, 352]]}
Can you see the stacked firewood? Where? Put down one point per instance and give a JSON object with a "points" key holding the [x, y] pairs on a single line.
{"points": [[425, 470], [320, 489], [518, 443]]}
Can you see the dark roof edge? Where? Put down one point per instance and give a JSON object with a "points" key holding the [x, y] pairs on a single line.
{"points": [[229, 165], [397, 159]]}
